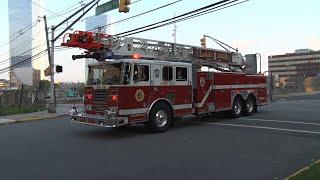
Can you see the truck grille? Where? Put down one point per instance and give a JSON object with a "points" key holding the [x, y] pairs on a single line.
{"points": [[100, 99]]}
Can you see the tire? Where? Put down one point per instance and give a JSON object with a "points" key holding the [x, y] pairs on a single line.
{"points": [[250, 106], [160, 118], [237, 107]]}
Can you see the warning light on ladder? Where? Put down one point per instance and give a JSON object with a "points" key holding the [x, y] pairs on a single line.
{"points": [[136, 56]]}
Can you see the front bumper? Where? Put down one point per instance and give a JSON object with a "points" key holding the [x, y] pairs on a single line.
{"points": [[108, 120]]}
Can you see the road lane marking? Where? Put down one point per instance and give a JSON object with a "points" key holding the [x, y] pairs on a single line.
{"points": [[279, 121], [259, 127], [296, 101], [302, 109]]}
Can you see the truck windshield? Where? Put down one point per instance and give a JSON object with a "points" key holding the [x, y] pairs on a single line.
{"points": [[109, 74]]}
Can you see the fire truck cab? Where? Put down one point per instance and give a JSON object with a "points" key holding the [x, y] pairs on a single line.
{"points": [[121, 92]]}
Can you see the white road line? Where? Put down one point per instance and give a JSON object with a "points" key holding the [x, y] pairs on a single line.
{"points": [[303, 109], [261, 127], [279, 121], [296, 101]]}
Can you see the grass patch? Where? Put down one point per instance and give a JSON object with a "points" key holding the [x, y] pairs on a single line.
{"points": [[11, 110], [309, 173]]}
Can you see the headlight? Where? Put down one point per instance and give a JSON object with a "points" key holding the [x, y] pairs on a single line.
{"points": [[110, 113], [89, 108], [73, 111]]}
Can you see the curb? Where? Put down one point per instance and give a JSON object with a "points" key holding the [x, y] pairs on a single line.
{"points": [[13, 121], [9, 121], [302, 170], [39, 118]]}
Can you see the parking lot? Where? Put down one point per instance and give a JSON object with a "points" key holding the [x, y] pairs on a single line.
{"points": [[280, 139]]}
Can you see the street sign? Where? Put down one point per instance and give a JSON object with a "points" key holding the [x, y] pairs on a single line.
{"points": [[108, 6], [70, 93]]}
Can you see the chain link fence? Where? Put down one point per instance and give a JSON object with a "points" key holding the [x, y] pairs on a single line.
{"points": [[21, 101]]}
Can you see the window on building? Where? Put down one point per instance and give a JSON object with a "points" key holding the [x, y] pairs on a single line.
{"points": [[141, 73], [181, 74], [167, 73]]}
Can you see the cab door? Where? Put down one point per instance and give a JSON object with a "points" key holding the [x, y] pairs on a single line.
{"points": [[182, 90], [155, 75], [140, 91]]}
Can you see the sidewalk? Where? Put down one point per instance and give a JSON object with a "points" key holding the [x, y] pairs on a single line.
{"points": [[62, 110]]}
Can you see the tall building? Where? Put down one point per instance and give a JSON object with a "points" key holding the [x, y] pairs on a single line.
{"points": [[4, 84], [96, 24], [25, 35], [290, 70]]}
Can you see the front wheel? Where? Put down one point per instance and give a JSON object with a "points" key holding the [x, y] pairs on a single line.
{"points": [[160, 118]]}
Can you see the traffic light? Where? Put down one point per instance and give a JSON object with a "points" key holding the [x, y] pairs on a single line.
{"points": [[123, 5], [58, 69], [203, 42], [47, 71]]}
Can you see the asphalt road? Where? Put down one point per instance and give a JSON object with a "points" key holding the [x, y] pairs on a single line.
{"points": [[272, 144]]}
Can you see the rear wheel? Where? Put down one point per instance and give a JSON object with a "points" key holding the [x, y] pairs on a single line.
{"points": [[250, 106], [237, 106], [160, 118]]}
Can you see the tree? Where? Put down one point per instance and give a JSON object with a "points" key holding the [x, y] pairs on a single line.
{"points": [[44, 85]]}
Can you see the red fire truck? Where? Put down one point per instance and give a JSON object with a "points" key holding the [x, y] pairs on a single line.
{"points": [[153, 82]]}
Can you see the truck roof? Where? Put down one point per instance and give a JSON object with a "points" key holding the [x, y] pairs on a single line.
{"points": [[143, 61]]}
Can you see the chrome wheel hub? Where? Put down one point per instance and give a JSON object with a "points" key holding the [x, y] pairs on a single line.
{"points": [[161, 118], [237, 108], [249, 106]]}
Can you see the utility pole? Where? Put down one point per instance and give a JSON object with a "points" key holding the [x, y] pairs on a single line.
{"points": [[52, 102], [174, 30], [51, 107]]}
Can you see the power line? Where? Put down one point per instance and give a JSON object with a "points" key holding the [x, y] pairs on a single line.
{"points": [[21, 32], [29, 27], [32, 58], [177, 17], [1, 62], [43, 8], [192, 16], [126, 18], [214, 10], [81, 4], [135, 1], [72, 6], [143, 13], [21, 44], [67, 10]]}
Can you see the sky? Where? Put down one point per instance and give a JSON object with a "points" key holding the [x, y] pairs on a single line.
{"points": [[268, 27]]}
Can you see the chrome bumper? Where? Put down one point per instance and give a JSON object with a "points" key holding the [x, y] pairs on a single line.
{"points": [[108, 120]]}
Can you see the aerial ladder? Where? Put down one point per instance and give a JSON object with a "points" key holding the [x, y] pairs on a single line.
{"points": [[101, 46]]}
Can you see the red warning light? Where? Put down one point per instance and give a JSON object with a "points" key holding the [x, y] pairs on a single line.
{"points": [[136, 56], [114, 97]]}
